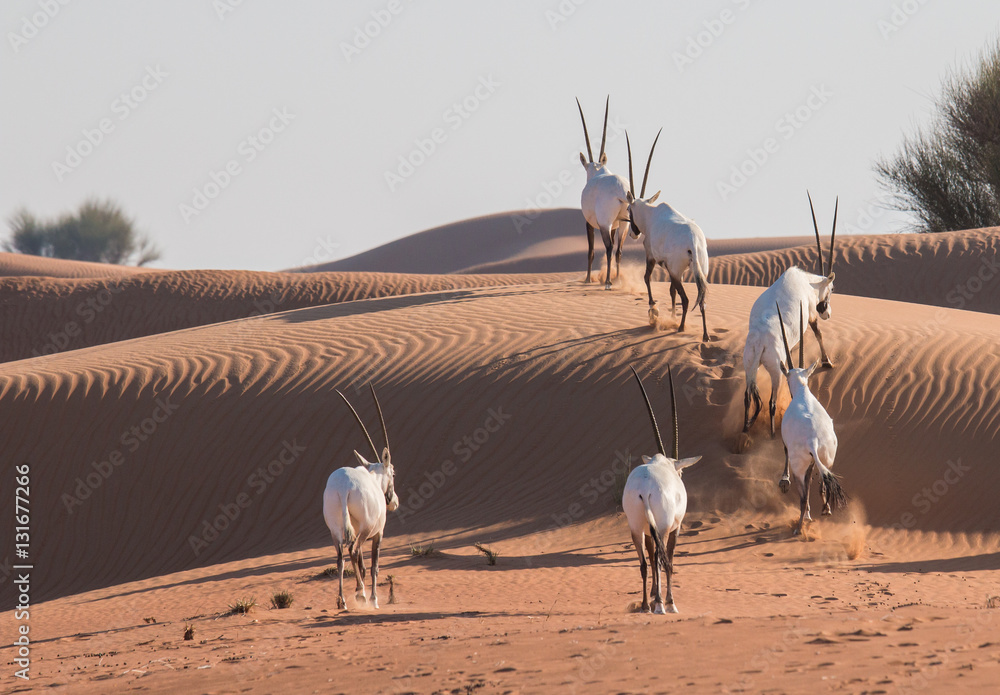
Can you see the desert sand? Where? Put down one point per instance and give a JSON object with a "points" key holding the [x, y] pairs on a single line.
{"points": [[179, 448]]}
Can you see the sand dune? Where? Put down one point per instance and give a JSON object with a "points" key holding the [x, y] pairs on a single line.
{"points": [[42, 316], [234, 396], [958, 270], [16, 265]]}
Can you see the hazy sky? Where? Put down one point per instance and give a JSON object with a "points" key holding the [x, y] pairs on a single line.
{"points": [[311, 106]]}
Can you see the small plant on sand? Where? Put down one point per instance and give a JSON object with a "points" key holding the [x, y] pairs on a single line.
{"points": [[242, 606], [281, 599], [491, 555], [392, 587], [189, 632], [993, 602], [331, 573], [422, 550]]}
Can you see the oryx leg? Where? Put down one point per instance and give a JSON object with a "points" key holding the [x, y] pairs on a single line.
{"points": [[804, 504], [751, 393], [358, 560], [673, 300], [684, 302], [827, 510], [653, 313], [671, 543], [622, 233], [637, 542], [654, 561], [590, 250], [609, 247], [376, 542], [774, 371], [341, 603], [814, 325], [785, 481]]}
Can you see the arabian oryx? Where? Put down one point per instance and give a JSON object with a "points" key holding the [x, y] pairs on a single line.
{"points": [[602, 201], [807, 432], [655, 501], [670, 240], [795, 288], [355, 503]]}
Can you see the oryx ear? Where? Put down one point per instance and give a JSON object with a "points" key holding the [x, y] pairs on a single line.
{"points": [[812, 368], [821, 285], [604, 159], [360, 458], [385, 455], [654, 197], [831, 276], [646, 459], [583, 160], [629, 197], [684, 463]]}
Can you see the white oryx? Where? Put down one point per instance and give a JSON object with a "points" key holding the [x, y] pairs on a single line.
{"points": [[602, 201], [655, 501], [794, 289], [808, 435], [355, 503], [670, 240]]}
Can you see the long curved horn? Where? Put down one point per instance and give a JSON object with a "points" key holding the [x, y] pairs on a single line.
{"points": [[652, 418], [642, 193], [586, 135], [631, 179], [833, 235], [673, 407], [361, 425], [784, 338], [604, 134], [802, 340], [819, 247], [385, 433]]}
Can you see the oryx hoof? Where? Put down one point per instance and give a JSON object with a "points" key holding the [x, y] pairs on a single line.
{"points": [[341, 603], [607, 284], [374, 602], [797, 531], [659, 610], [361, 598], [784, 484], [827, 511], [827, 364], [654, 314], [672, 608]]}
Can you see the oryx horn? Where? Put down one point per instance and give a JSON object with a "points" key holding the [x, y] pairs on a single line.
{"points": [[819, 246], [360, 424], [642, 192], [631, 179], [802, 340], [833, 234], [604, 134], [586, 135], [649, 409], [385, 433], [784, 338], [673, 407]]}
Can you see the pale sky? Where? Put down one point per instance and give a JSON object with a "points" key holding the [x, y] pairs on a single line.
{"points": [[335, 93]]}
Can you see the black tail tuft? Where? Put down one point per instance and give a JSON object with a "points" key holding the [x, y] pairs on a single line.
{"points": [[835, 494]]}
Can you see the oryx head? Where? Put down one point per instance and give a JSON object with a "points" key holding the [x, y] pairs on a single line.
{"points": [[679, 464], [824, 288], [637, 206], [382, 467], [797, 378], [588, 162]]}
